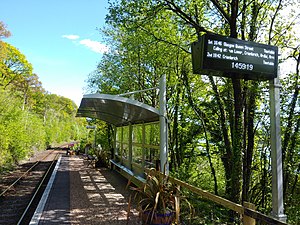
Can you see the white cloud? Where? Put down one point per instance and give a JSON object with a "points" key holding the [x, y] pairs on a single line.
{"points": [[94, 46], [71, 36]]}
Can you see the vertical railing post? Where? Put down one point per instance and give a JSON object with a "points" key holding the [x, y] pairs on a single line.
{"points": [[276, 152], [247, 220], [163, 125]]}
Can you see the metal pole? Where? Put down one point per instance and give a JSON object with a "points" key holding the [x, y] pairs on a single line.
{"points": [[94, 144], [164, 167], [130, 146], [276, 152], [95, 138], [143, 144], [115, 143]]}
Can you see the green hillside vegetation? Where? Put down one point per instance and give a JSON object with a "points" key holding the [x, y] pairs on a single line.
{"points": [[31, 119]]}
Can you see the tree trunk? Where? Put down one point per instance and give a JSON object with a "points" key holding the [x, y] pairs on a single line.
{"points": [[237, 146], [250, 108]]}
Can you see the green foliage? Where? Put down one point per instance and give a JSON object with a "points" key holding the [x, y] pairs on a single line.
{"points": [[24, 132], [14, 67], [30, 118], [158, 196], [4, 33], [219, 127]]}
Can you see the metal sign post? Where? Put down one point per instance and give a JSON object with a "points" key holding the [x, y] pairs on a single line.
{"points": [[227, 57], [276, 152]]}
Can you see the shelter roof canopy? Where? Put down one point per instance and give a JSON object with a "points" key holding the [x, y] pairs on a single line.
{"points": [[116, 110]]}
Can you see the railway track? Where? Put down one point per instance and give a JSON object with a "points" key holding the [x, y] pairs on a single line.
{"points": [[21, 194]]}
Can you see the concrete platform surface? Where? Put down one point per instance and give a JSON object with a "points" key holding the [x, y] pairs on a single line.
{"points": [[83, 195]]}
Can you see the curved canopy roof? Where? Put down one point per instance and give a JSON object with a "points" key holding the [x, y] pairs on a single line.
{"points": [[116, 110]]}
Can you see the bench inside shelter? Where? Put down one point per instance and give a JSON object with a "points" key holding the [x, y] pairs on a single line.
{"points": [[127, 173]]}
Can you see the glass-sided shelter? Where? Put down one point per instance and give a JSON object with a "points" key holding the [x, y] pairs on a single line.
{"points": [[137, 131]]}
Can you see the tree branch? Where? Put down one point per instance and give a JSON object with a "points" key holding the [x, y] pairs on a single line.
{"points": [[221, 10], [165, 41], [273, 21], [174, 8]]}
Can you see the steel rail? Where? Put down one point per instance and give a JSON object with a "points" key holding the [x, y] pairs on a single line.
{"points": [[38, 189], [25, 173]]}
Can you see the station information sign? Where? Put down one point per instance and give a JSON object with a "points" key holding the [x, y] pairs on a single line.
{"points": [[234, 57]]}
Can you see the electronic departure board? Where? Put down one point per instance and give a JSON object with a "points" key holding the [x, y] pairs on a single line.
{"points": [[234, 57]]}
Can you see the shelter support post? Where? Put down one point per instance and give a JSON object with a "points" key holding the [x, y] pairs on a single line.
{"points": [[130, 149], [143, 144], [95, 138], [115, 143], [94, 144], [164, 166], [276, 152]]}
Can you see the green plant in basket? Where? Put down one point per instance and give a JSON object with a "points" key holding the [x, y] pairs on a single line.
{"points": [[158, 199]]}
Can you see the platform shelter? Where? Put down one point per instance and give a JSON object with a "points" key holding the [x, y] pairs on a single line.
{"points": [[140, 137]]}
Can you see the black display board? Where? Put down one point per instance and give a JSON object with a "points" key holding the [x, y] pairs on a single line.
{"points": [[234, 57]]}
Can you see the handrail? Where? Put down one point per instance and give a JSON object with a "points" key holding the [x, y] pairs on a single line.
{"points": [[245, 211], [262, 217], [242, 210], [217, 199]]}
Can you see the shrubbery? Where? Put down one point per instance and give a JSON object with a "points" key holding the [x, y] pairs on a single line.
{"points": [[24, 132]]}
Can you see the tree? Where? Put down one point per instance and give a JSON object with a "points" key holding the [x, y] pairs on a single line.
{"points": [[228, 115], [291, 126], [30, 118], [14, 67], [4, 33]]}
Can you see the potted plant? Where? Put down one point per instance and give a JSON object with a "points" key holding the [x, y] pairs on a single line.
{"points": [[158, 200]]}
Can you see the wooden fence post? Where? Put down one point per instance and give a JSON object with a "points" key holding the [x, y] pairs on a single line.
{"points": [[247, 220]]}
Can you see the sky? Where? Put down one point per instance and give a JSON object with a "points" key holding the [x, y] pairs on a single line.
{"points": [[60, 38]]}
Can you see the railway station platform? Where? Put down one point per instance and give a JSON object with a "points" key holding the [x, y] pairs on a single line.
{"points": [[80, 194]]}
